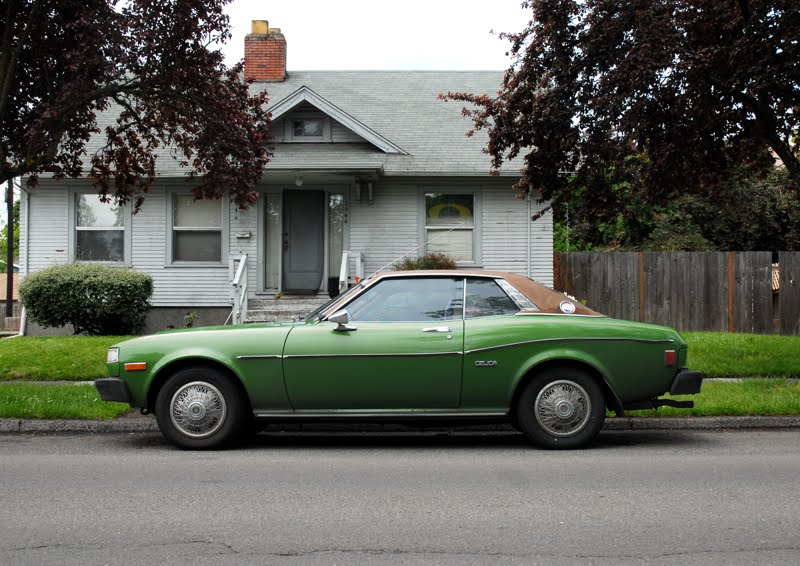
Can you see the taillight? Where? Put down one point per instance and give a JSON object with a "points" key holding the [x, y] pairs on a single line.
{"points": [[669, 358]]}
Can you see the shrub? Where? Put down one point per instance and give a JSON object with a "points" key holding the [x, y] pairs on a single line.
{"points": [[428, 261], [94, 299]]}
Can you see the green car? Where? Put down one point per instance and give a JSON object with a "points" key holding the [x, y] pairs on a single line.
{"points": [[450, 346]]}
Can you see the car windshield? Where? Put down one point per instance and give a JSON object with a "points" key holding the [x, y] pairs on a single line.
{"points": [[316, 314]]}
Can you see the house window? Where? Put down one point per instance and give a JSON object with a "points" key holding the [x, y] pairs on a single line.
{"points": [[99, 229], [196, 229], [450, 225], [308, 127]]}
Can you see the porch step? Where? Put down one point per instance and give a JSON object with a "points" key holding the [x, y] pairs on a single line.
{"points": [[283, 309]]}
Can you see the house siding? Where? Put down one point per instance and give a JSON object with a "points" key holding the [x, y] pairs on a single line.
{"points": [[45, 239], [504, 241], [383, 231], [390, 227]]}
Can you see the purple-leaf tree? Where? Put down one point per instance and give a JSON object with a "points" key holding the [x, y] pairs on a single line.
{"points": [[652, 98], [64, 63]]}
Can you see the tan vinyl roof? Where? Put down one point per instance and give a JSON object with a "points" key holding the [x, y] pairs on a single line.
{"points": [[546, 300]]}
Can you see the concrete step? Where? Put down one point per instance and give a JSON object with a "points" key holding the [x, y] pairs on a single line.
{"points": [[283, 309]]}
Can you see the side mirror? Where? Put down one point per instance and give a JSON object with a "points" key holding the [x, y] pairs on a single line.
{"points": [[341, 318]]}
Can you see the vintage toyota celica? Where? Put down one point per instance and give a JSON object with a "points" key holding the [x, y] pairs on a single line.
{"points": [[446, 346]]}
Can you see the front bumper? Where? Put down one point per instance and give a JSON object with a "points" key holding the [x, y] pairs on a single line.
{"points": [[113, 389], [686, 383]]}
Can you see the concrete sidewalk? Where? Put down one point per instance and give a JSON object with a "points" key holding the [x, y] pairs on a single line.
{"points": [[135, 422]]}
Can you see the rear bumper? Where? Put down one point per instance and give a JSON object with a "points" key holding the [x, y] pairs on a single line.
{"points": [[113, 389], [686, 383]]}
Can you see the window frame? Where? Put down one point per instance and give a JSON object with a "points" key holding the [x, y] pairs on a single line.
{"points": [[72, 238], [170, 241], [290, 137], [458, 280], [477, 260]]}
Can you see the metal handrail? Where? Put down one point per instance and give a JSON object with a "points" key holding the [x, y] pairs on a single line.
{"points": [[239, 283], [344, 277]]}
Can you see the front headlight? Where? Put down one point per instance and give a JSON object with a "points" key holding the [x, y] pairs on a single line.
{"points": [[112, 357]]}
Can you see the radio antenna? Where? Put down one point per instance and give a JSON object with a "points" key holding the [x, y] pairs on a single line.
{"points": [[395, 260]]}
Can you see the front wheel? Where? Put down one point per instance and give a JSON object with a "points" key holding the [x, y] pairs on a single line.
{"points": [[561, 408], [200, 408]]}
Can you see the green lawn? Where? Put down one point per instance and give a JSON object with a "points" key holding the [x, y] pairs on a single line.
{"points": [[722, 354], [56, 401], [69, 358], [746, 397], [717, 354]]}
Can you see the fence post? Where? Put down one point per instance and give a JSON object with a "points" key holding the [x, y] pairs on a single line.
{"points": [[730, 292], [641, 286]]}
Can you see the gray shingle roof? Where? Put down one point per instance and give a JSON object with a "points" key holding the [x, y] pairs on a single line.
{"points": [[403, 107]]}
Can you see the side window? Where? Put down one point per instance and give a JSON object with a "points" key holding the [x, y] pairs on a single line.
{"points": [[450, 225], [99, 229], [410, 300], [196, 229], [486, 298]]}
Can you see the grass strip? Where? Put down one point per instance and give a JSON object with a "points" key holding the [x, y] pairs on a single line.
{"points": [[735, 398], [55, 358], [50, 401], [723, 354]]}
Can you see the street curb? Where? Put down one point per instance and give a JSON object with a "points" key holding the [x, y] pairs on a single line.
{"points": [[129, 424]]}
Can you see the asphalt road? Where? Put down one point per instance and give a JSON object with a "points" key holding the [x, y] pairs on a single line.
{"points": [[636, 497]]}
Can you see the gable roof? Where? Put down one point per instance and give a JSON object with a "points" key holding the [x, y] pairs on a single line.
{"points": [[406, 129], [401, 107], [305, 94]]}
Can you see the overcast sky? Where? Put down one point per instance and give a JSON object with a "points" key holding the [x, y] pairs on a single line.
{"points": [[377, 34]]}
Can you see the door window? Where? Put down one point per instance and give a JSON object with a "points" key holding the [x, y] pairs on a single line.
{"points": [[417, 299]]}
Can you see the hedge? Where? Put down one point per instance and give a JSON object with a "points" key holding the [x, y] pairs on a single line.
{"points": [[94, 299]]}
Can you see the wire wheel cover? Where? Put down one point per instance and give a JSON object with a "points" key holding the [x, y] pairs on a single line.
{"points": [[198, 409], [562, 408]]}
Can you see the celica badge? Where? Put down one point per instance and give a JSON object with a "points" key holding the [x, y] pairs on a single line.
{"points": [[486, 364], [567, 307]]}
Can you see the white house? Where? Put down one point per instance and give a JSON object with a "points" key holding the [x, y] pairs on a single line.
{"points": [[366, 162]]}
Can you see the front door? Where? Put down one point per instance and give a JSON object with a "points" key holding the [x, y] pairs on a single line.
{"points": [[303, 240]]}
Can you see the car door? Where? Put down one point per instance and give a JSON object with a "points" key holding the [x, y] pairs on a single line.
{"points": [[403, 350]]}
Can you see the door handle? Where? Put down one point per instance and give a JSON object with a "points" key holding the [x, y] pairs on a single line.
{"points": [[437, 329]]}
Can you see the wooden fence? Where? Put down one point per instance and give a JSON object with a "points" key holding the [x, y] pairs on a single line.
{"points": [[723, 291]]}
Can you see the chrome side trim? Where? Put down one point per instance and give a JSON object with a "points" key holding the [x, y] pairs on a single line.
{"points": [[260, 357], [581, 339], [388, 355], [533, 313], [377, 414]]}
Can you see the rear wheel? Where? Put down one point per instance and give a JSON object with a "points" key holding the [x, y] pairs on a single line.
{"points": [[561, 408], [200, 408]]}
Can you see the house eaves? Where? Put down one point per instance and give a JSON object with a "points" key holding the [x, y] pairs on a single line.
{"points": [[305, 94]]}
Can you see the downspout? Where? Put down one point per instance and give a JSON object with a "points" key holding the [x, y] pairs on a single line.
{"points": [[23, 321], [528, 198]]}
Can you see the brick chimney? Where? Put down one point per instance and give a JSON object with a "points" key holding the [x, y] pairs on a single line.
{"points": [[264, 53]]}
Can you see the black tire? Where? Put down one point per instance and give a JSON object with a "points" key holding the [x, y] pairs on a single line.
{"points": [[210, 410], [570, 405]]}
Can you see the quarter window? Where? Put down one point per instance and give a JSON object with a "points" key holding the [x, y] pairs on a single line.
{"points": [[450, 225], [99, 229], [418, 299], [486, 298], [196, 229]]}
